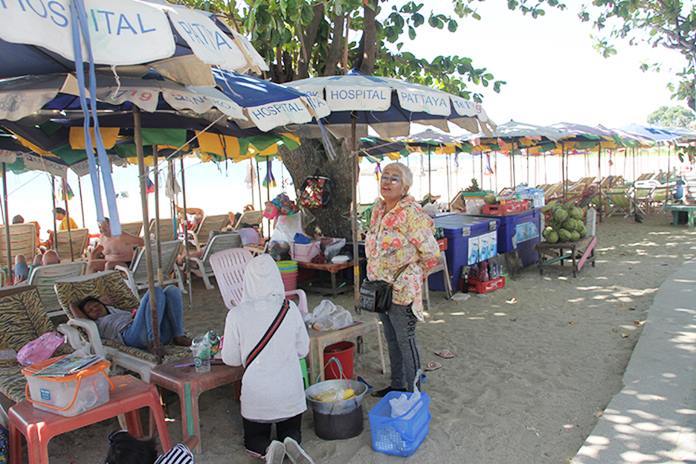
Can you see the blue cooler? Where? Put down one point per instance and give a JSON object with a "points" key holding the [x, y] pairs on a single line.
{"points": [[519, 232], [469, 240]]}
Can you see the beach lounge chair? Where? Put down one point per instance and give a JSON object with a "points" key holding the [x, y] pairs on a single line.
{"points": [[248, 218], [166, 230], [209, 224], [617, 201], [229, 266], [79, 239], [642, 198], [44, 279], [200, 267], [136, 275], [22, 242], [110, 284], [23, 319], [133, 228]]}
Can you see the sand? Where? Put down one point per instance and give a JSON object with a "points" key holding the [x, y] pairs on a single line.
{"points": [[536, 362]]}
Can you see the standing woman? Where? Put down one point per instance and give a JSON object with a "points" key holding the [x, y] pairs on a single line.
{"points": [[401, 249]]}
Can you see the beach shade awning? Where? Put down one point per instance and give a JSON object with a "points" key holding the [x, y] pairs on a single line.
{"points": [[659, 134], [429, 142], [389, 106], [37, 38], [249, 101]]}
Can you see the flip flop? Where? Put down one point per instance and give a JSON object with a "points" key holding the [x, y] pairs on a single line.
{"points": [[432, 366], [445, 354]]}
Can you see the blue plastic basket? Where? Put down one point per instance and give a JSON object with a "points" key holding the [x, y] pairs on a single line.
{"points": [[399, 436]]}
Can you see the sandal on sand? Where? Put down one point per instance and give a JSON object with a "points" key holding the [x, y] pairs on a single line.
{"points": [[275, 453], [445, 354], [432, 366]]}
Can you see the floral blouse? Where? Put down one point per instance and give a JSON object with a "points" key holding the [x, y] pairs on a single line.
{"points": [[397, 238]]}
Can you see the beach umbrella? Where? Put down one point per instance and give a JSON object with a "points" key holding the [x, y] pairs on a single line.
{"points": [[179, 42], [388, 106]]}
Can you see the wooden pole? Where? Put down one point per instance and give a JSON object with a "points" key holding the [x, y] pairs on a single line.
{"points": [[82, 203], [138, 136], [8, 246], [481, 169], [158, 239], [253, 194], [67, 215], [528, 179], [599, 174], [354, 207], [430, 183], [186, 229], [564, 161], [53, 202], [669, 169]]}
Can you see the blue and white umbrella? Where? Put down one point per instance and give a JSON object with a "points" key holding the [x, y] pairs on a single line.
{"points": [[182, 43], [389, 106]]}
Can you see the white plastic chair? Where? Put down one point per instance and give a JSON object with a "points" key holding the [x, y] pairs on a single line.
{"points": [[228, 267], [44, 279], [221, 242]]}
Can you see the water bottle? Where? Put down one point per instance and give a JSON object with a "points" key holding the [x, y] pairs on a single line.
{"points": [[200, 348]]}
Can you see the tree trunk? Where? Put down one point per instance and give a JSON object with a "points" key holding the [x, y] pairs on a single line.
{"points": [[310, 159], [335, 52], [367, 51], [307, 41]]}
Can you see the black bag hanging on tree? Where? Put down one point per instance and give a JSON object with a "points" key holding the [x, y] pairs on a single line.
{"points": [[316, 191]]}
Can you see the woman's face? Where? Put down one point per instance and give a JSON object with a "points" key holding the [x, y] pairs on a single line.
{"points": [[391, 185]]}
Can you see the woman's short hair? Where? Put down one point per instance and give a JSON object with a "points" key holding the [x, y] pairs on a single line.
{"points": [[404, 171]]}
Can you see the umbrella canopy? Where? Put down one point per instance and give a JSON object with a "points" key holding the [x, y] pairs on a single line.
{"points": [[38, 38], [389, 106]]}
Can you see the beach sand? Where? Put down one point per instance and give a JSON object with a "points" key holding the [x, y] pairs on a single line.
{"points": [[536, 362]]}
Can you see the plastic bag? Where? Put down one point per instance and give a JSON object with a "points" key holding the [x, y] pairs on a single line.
{"points": [[327, 316], [334, 248], [40, 349], [405, 403], [286, 228]]}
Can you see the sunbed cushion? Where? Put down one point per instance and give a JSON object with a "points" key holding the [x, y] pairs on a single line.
{"points": [[12, 382], [96, 285], [22, 319], [171, 352]]}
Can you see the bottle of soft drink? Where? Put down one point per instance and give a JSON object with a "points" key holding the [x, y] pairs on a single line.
{"points": [[483, 271]]}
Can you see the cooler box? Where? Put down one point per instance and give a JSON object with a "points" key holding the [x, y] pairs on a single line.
{"points": [[519, 232], [469, 240]]}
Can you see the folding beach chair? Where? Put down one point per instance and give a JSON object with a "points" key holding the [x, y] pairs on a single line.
{"points": [[166, 230], [22, 242], [132, 228], [110, 284], [79, 238], [200, 267], [136, 275], [44, 279], [209, 224], [248, 218]]}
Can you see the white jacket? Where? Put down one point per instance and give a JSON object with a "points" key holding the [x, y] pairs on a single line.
{"points": [[272, 386]]}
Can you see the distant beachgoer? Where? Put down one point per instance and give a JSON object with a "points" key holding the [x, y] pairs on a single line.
{"points": [[193, 217], [50, 257], [112, 251], [126, 449], [400, 240], [120, 324], [272, 386], [21, 269], [18, 219], [64, 222]]}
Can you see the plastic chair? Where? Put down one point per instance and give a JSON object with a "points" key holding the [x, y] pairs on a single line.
{"points": [[225, 241], [209, 224], [228, 267], [22, 242], [441, 267], [44, 279], [137, 273], [78, 238]]}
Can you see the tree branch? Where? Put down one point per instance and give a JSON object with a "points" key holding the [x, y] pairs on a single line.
{"points": [[368, 42], [333, 57], [307, 40]]}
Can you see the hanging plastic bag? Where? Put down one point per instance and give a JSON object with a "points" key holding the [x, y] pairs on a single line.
{"points": [[405, 403]]}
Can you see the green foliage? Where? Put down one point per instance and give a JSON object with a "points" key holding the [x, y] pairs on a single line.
{"points": [[302, 38], [666, 23], [672, 116]]}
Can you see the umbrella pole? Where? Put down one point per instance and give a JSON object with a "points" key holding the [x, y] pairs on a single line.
{"points": [[528, 183], [138, 136], [172, 186], [481, 167], [495, 162], [53, 202], [599, 174], [354, 207], [67, 215], [447, 167], [8, 246], [158, 239], [564, 161], [430, 183], [186, 229], [261, 208], [669, 168], [82, 203], [251, 171]]}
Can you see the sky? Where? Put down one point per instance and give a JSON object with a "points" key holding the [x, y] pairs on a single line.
{"points": [[553, 74]]}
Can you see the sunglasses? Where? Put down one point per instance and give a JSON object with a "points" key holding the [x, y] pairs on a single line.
{"points": [[390, 179]]}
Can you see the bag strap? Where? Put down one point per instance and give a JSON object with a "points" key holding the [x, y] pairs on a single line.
{"points": [[272, 329]]}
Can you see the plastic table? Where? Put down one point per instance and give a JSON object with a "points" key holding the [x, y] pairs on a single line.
{"points": [[689, 210], [189, 385], [332, 269], [39, 427]]}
